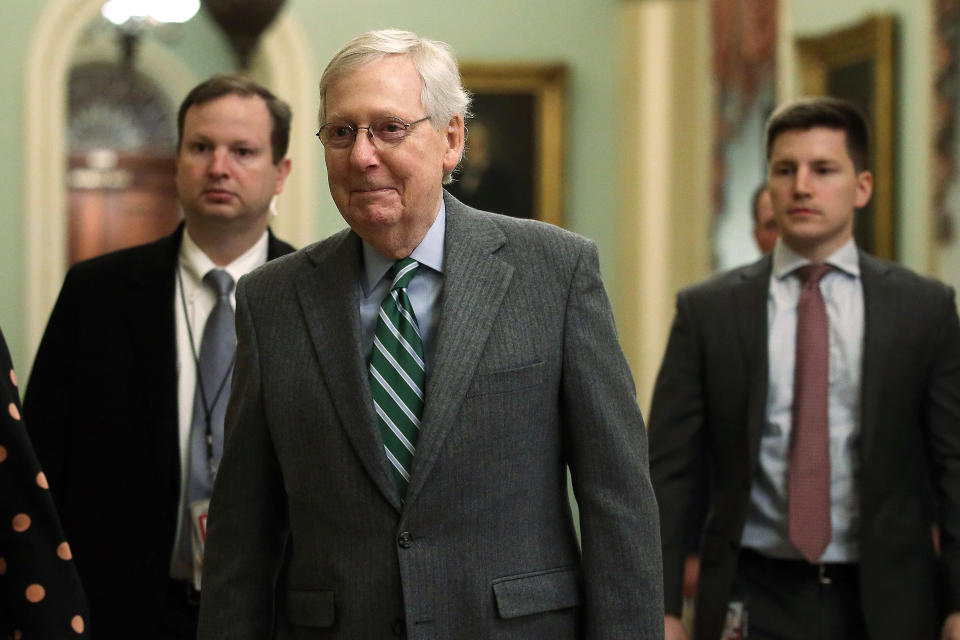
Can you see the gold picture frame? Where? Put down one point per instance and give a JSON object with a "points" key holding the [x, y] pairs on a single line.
{"points": [[859, 64], [518, 125]]}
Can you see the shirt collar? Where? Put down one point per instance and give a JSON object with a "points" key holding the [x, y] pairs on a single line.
{"points": [[786, 260], [428, 253], [196, 263]]}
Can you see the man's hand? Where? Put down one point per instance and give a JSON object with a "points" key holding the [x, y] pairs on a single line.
{"points": [[673, 629], [951, 627]]}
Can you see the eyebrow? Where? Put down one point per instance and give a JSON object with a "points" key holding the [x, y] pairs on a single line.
{"points": [[202, 137], [793, 161]]}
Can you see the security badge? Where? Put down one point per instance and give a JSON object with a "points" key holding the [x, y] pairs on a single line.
{"points": [[198, 521], [735, 625]]}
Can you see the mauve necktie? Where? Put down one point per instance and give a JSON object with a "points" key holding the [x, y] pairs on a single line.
{"points": [[809, 464]]}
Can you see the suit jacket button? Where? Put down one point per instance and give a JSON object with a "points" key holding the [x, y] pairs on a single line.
{"points": [[399, 627], [405, 540]]}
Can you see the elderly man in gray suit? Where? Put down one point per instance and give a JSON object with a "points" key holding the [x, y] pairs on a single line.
{"points": [[408, 396]]}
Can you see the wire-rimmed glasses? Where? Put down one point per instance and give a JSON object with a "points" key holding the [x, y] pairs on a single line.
{"points": [[389, 129]]}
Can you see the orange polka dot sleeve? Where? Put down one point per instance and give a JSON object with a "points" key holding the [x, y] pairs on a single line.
{"points": [[40, 592]]}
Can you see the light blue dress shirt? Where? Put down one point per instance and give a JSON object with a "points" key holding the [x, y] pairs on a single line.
{"points": [[766, 525], [424, 289]]}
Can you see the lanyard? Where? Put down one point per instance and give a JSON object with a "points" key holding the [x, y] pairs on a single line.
{"points": [[207, 406]]}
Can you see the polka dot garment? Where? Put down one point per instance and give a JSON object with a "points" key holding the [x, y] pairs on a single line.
{"points": [[40, 593]]}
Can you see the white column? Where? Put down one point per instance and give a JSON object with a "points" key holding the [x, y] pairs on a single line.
{"points": [[666, 148]]}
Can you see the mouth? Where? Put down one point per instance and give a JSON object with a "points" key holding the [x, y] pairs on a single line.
{"points": [[218, 194], [802, 211], [374, 192]]}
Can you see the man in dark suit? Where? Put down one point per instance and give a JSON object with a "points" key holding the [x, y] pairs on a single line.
{"points": [[820, 388], [114, 402], [397, 446]]}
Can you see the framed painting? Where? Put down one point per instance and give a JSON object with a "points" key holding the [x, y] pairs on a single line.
{"points": [[858, 63], [513, 162]]}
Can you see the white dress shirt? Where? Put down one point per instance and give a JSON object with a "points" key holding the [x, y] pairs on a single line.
{"points": [[766, 525], [191, 306]]}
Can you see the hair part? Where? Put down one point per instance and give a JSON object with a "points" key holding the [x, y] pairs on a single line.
{"points": [[832, 113], [219, 86], [442, 96]]}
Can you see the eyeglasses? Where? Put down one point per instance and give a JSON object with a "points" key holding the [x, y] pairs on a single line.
{"points": [[389, 130]]}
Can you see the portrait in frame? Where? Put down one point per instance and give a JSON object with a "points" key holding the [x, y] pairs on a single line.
{"points": [[858, 64], [513, 162]]}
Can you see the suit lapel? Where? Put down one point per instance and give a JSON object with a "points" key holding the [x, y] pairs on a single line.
{"points": [[474, 284], [329, 299], [149, 309], [879, 329], [751, 304]]}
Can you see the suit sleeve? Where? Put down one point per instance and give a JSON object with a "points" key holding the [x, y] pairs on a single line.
{"points": [[608, 461], [676, 420], [248, 511], [942, 409], [40, 592]]}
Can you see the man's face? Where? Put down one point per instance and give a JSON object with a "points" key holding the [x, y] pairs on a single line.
{"points": [[388, 193], [765, 224], [225, 170], [815, 188]]}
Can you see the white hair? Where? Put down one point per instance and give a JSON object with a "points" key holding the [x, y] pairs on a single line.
{"points": [[443, 96]]}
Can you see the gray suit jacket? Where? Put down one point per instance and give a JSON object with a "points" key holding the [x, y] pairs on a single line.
{"points": [[708, 412], [308, 535]]}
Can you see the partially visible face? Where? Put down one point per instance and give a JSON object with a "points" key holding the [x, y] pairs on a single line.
{"points": [[765, 224], [388, 194], [225, 168], [815, 189]]}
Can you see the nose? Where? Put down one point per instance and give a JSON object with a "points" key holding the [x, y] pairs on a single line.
{"points": [[218, 163], [801, 183], [363, 153]]}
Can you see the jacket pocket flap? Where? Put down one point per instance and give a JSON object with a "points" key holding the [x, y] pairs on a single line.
{"points": [[536, 592], [310, 608], [523, 377]]}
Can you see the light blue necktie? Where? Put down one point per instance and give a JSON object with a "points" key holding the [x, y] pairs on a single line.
{"points": [[214, 373]]}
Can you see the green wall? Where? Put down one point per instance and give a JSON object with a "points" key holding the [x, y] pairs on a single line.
{"points": [[580, 33], [19, 18]]}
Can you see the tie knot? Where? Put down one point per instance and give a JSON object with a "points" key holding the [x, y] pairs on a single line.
{"points": [[402, 273], [811, 274], [220, 280]]}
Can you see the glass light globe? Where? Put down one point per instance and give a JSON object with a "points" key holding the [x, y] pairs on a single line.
{"points": [[173, 10], [119, 11]]}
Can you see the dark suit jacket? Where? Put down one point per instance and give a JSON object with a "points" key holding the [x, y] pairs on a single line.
{"points": [[527, 377], [709, 406], [37, 555], [102, 409]]}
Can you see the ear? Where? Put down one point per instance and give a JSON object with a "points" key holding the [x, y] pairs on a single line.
{"points": [[283, 170], [864, 188], [454, 137]]}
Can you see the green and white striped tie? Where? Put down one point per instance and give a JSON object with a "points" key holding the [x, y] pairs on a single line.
{"points": [[397, 373]]}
